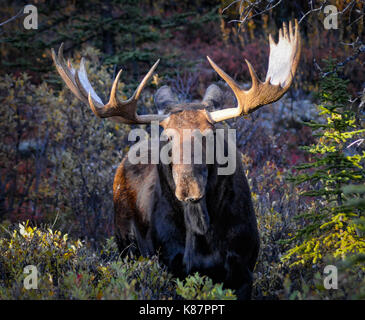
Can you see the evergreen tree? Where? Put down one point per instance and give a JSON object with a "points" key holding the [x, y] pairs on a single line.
{"points": [[330, 227], [127, 33]]}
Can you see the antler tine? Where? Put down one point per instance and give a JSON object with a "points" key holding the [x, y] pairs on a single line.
{"points": [[234, 86], [85, 86], [113, 94], [126, 110], [79, 84], [283, 62], [66, 73], [145, 80]]}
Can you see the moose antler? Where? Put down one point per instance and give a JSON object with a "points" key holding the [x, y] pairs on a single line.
{"points": [[283, 62], [79, 84]]}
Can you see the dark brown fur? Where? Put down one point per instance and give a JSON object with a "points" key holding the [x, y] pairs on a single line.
{"points": [[214, 234]]}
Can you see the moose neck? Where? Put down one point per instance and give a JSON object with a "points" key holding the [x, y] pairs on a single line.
{"points": [[199, 217]]}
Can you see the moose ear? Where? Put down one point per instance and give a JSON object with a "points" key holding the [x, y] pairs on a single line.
{"points": [[213, 97], [164, 98]]}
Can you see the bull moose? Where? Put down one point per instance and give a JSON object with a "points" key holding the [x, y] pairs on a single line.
{"points": [[191, 216]]}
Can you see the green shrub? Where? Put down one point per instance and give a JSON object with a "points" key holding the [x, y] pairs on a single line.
{"points": [[56, 157], [71, 269], [197, 287]]}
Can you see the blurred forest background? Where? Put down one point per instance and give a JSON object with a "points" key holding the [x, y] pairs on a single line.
{"points": [[304, 154]]}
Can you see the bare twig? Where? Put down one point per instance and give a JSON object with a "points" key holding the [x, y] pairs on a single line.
{"points": [[349, 7], [359, 50], [357, 142], [20, 13], [252, 7], [312, 10], [231, 4]]}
